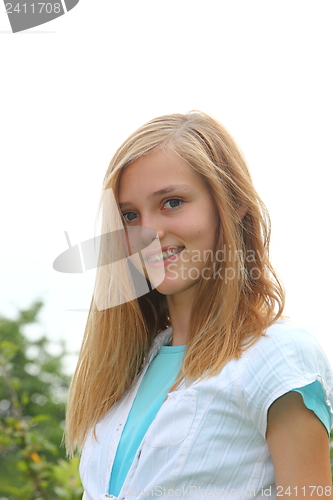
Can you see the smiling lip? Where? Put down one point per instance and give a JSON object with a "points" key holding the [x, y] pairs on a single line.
{"points": [[172, 257]]}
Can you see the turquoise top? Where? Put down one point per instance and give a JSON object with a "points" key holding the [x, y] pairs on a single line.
{"points": [[159, 377], [314, 399], [154, 387]]}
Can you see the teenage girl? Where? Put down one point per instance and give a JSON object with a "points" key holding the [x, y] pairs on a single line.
{"points": [[197, 387]]}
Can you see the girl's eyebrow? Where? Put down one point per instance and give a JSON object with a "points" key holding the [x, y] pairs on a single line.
{"points": [[167, 189]]}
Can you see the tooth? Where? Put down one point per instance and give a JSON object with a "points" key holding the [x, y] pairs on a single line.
{"points": [[159, 258]]}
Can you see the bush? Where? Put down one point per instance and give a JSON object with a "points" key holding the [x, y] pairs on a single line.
{"points": [[33, 390]]}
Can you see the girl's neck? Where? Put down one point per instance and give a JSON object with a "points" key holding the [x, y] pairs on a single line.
{"points": [[180, 311]]}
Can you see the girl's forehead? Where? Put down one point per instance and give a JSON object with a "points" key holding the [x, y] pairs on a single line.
{"points": [[159, 167]]}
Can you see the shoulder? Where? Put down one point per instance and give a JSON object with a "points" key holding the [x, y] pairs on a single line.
{"points": [[286, 358], [285, 342]]}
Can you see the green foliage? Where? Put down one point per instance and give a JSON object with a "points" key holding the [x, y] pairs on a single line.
{"points": [[33, 391]]}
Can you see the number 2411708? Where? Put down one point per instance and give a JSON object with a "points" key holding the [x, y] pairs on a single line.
{"points": [[305, 491], [34, 8]]}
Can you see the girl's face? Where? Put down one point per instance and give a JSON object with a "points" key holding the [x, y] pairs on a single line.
{"points": [[163, 192]]}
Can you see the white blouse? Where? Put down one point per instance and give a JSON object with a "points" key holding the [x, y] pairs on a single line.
{"points": [[208, 438]]}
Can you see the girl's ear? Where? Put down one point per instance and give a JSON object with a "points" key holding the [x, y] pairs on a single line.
{"points": [[242, 211]]}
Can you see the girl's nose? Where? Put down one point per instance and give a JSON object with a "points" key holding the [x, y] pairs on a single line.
{"points": [[156, 228], [149, 234]]}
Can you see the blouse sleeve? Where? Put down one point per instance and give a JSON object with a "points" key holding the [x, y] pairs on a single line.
{"points": [[287, 358]]}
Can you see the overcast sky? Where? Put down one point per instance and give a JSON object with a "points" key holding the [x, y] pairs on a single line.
{"points": [[73, 89]]}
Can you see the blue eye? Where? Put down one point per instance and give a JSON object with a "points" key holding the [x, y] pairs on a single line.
{"points": [[173, 204], [172, 200], [130, 219]]}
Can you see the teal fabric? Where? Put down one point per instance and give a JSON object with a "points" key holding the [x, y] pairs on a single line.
{"points": [[153, 389], [314, 398]]}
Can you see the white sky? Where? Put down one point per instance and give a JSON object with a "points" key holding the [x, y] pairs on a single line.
{"points": [[72, 90]]}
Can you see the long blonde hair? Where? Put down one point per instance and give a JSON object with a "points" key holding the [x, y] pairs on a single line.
{"points": [[228, 315]]}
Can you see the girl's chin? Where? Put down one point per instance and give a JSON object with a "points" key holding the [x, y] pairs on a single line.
{"points": [[168, 288]]}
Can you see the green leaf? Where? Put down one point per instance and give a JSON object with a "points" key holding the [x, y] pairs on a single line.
{"points": [[40, 418]]}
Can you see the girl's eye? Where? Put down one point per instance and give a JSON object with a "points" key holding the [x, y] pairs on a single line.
{"points": [[128, 216], [174, 202]]}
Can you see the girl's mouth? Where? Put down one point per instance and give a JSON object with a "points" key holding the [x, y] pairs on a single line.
{"points": [[160, 257]]}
